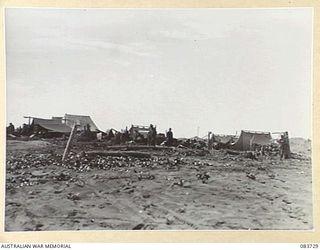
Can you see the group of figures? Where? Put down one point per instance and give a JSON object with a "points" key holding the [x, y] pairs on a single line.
{"points": [[152, 136], [149, 136], [25, 130], [282, 148]]}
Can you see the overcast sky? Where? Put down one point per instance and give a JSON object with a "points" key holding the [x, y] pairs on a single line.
{"points": [[221, 70]]}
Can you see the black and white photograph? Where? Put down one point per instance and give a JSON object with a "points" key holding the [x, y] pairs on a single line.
{"points": [[158, 119]]}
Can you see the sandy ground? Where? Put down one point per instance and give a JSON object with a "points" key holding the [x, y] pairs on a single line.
{"points": [[168, 191]]}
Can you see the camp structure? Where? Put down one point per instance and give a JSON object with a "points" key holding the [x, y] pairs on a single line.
{"points": [[62, 125], [223, 138], [220, 141], [136, 131], [84, 122], [49, 127], [249, 138]]}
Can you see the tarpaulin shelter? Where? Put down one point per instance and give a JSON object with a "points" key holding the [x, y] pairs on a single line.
{"points": [[248, 138], [82, 121], [50, 125], [223, 138]]}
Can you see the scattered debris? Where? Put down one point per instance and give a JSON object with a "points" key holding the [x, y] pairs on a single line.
{"points": [[144, 186], [145, 176], [251, 176], [286, 201], [80, 183], [74, 197], [182, 210], [146, 196], [38, 173], [204, 177], [120, 154], [138, 227], [181, 183], [63, 176], [58, 191], [170, 220]]}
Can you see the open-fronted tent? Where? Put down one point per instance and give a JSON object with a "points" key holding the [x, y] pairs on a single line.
{"points": [[82, 120], [50, 125], [249, 138]]}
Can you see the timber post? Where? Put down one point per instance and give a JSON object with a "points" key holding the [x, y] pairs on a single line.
{"points": [[69, 143]]}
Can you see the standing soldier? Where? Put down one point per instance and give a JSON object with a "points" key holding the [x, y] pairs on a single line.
{"points": [[281, 142], [284, 146], [88, 127], [110, 135], [117, 139], [10, 129], [150, 134], [25, 129], [126, 135], [169, 137], [154, 136]]}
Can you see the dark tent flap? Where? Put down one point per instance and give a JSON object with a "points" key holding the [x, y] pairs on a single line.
{"points": [[52, 125], [61, 128]]}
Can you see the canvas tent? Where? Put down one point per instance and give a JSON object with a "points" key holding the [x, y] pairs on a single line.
{"points": [[82, 121], [51, 125], [249, 138]]}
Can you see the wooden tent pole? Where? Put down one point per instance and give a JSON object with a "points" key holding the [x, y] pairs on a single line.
{"points": [[69, 143]]}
